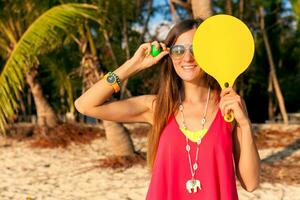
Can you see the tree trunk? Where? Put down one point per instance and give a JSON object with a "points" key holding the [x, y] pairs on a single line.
{"points": [[46, 116], [29, 105], [201, 9], [198, 8], [117, 136], [126, 47], [118, 139], [108, 44], [241, 80], [149, 14], [175, 17], [228, 7], [241, 9], [276, 85], [88, 70], [270, 103]]}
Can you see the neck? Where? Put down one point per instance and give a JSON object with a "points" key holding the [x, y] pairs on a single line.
{"points": [[195, 92]]}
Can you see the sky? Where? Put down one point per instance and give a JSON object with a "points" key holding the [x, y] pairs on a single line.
{"points": [[159, 17]]}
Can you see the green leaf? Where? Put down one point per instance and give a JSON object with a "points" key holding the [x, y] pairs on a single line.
{"points": [[296, 6], [40, 34]]}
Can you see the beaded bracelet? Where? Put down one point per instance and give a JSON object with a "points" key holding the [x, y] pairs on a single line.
{"points": [[116, 77]]}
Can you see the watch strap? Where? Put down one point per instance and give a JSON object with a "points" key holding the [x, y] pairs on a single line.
{"points": [[117, 84]]}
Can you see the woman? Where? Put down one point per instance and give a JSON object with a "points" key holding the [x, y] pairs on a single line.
{"points": [[192, 152]]}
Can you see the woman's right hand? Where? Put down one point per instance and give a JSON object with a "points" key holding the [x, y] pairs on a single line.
{"points": [[143, 58]]}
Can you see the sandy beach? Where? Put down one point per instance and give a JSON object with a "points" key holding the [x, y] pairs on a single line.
{"points": [[72, 174]]}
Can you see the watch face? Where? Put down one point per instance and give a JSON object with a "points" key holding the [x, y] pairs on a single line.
{"points": [[111, 79]]}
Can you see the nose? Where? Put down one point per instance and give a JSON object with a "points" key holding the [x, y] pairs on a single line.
{"points": [[188, 56]]}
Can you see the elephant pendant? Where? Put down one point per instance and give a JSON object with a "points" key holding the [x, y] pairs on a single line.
{"points": [[193, 184]]}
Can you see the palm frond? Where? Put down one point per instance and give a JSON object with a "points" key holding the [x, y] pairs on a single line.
{"points": [[40, 34], [62, 81], [296, 7]]}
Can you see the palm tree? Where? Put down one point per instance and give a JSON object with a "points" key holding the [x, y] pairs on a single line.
{"points": [[61, 18], [201, 9], [118, 138], [296, 6], [23, 62], [195, 8], [63, 84]]}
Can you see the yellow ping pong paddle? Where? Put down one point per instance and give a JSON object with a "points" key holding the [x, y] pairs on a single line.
{"points": [[223, 47]]}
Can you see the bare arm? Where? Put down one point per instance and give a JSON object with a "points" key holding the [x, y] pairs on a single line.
{"points": [[247, 161], [246, 157], [136, 109]]}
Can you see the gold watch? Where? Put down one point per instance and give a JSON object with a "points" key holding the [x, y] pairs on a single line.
{"points": [[113, 80]]}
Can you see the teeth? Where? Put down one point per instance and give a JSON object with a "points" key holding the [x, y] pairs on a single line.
{"points": [[188, 67]]}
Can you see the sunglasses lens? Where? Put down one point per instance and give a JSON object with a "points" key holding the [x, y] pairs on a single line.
{"points": [[191, 50], [177, 51]]}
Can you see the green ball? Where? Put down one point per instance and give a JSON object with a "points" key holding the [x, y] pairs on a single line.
{"points": [[155, 51]]}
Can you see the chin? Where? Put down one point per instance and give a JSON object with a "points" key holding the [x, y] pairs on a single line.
{"points": [[188, 78], [191, 77]]}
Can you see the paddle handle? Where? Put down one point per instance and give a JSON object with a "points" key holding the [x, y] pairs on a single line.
{"points": [[229, 117]]}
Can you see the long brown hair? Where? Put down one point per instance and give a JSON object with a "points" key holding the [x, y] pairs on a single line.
{"points": [[167, 90]]}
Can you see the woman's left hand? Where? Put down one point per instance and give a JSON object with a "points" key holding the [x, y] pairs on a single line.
{"points": [[231, 101]]}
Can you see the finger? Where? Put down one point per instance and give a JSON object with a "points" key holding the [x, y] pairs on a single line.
{"points": [[227, 91], [224, 105], [230, 108], [227, 98], [224, 92], [157, 46], [230, 100], [164, 47], [231, 97], [160, 56], [146, 48], [144, 45]]}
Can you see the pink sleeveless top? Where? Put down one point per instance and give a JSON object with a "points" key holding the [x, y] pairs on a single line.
{"points": [[215, 171]]}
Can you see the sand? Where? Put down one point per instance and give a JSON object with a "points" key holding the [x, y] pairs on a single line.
{"points": [[71, 174]]}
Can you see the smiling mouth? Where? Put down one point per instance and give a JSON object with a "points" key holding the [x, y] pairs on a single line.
{"points": [[188, 66]]}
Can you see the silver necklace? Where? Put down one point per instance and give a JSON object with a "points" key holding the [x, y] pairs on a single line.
{"points": [[193, 184]]}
